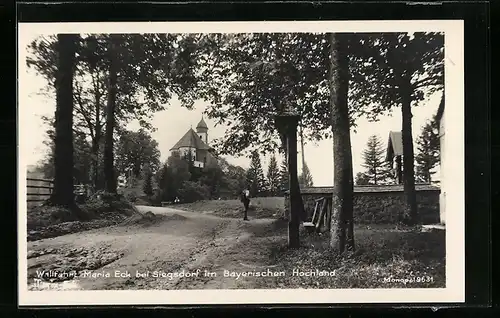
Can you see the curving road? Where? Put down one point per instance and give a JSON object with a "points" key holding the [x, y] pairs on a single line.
{"points": [[161, 255]]}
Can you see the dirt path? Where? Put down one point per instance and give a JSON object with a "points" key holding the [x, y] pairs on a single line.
{"points": [[179, 242]]}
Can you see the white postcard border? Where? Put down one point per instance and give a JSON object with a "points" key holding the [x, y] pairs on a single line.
{"points": [[455, 199]]}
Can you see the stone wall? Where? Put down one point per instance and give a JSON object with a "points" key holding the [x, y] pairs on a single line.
{"points": [[378, 204]]}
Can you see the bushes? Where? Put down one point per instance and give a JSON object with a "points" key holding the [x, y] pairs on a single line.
{"points": [[103, 202], [193, 191]]}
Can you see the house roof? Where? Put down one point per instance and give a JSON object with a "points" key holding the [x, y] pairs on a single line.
{"points": [[191, 140], [202, 124], [394, 145]]}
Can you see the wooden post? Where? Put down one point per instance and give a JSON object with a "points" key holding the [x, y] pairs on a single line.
{"points": [[286, 123]]}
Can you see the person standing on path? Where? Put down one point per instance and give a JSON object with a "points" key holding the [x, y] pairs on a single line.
{"points": [[245, 198]]}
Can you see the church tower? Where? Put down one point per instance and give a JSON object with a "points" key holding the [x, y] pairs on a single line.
{"points": [[202, 130]]}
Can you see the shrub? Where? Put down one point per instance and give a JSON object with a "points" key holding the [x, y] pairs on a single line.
{"points": [[156, 199], [103, 202], [193, 191]]}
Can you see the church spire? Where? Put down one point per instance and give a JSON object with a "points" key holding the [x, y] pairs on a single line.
{"points": [[202, 124]]}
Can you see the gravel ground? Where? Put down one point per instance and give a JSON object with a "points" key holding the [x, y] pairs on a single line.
{"points": [[173, 241], [174, 249]]}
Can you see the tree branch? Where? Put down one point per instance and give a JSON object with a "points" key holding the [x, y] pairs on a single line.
{"points": [[425, 81]]}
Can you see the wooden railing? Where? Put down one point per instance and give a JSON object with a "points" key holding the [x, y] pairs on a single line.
{"points": [[38, 189]]}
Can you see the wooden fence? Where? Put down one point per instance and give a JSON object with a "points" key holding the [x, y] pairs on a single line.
{"points": [[38, 190]]}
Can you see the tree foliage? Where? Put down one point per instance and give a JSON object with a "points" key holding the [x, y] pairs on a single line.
{"points": [[149, 69], [249, 77], [305, 178], [427, 157], [147, 177], [217, 179], [171, 177], [399, 70], [255, 175], [284, 177], [213, 178], [135, 150], [374, 163], [234, 179], [273, 176], [394, 67], [81, 161]]}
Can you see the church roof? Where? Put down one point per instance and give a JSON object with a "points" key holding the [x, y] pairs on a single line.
{"points": [[202, 124], [192, 140], [394, 145]]}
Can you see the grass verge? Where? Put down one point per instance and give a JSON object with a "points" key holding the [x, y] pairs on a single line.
{"points": [[265, 207], [100, 210], [385, 257]]}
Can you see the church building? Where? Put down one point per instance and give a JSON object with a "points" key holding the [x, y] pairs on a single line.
{"points": [[196, 143]]}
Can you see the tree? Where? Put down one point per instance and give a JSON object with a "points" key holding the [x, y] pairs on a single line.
{"points": [[138, 73], [284, 178], [273, 176], [148, 180], [305, 178], [260, 73], [171, 177], [255, 175], [342, 227], [134, 150], [373, 157], [399, 70], [88, 112], [427, 157], [235, 178], [62, 193], [82, 160], [110, 181], [212, 177]]}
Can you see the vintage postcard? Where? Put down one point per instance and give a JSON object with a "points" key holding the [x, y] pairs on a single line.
{"points": [[241, 162]]}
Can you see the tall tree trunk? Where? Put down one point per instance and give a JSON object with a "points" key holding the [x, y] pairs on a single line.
{"points": [[109, 169], [342, 226], [63, 153], [296, 204], [97, 137], [302, 149], [411, 212]]}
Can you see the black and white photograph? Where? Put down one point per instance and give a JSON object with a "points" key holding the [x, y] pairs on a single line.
{"points": [[241, 162]]}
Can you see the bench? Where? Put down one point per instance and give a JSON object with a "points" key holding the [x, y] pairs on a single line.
{"points": [[321, 215]]}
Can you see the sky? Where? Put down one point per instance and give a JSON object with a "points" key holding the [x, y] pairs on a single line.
{"points": [[172, 123]]}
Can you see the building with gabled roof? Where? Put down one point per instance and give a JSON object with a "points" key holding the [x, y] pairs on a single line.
{"points": [[395, 154], [196, 144]]}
